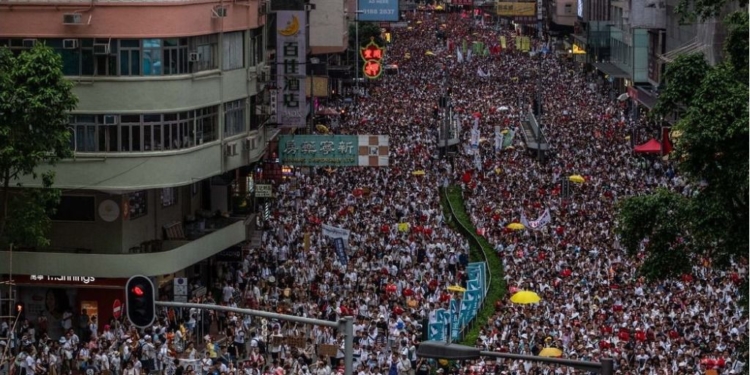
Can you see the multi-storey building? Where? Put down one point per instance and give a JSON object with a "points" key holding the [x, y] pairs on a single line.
{"points": [[172, 115], [591, 31]]}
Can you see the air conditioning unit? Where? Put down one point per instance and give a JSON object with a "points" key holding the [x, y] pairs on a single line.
{"points": [[265, 73], [251, 143], [194, 57], [101, 48], [70, 43], [72, 19], [230, 149], [219, 12], [110, 119], [29, 43]]}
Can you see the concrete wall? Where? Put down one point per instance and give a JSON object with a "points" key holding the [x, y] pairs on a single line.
{"points": [[328, 26], [119, 236]]}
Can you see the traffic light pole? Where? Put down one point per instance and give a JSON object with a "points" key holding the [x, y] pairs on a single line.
{"points": [[345, 324]]}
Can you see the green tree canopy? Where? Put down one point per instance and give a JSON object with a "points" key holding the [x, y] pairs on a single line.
{"points": [[35, 99], [711, 154]]}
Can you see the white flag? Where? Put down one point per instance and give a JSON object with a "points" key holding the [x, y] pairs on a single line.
{"points": [[542, 221], [459, 55]]}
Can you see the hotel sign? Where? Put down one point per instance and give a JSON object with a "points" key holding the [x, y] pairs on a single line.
{"points": [[291, 55]]}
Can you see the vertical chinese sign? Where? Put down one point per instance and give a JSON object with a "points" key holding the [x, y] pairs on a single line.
{"points": [[291, 54], [372, 54]]}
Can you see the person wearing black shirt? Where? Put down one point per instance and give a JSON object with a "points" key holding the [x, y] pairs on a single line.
{"points": [[179, 369]]}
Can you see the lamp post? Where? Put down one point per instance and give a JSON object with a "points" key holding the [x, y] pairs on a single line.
{"points": [[356, 50], [440, 350]]}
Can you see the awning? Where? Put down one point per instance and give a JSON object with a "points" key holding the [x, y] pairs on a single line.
{"points": [[692, 47], [646, 97], [612, 70], [581, 38]]}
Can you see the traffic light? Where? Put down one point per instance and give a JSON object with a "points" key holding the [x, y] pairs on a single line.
{"points": [[139, 300]]}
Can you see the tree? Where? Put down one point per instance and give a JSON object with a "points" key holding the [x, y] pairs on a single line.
{"points": [[711, 223], [35, 99], [367, 31]]}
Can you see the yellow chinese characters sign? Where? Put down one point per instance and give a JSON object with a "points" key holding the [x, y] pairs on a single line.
{"points": [[515, 9]]}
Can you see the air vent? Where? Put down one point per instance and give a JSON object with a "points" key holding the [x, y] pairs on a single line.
{"points": [[101, 48]]}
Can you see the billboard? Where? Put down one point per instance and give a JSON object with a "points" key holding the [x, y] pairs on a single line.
{"points": [[334, 150], [515, 9], [377, 10], [291, 55]]}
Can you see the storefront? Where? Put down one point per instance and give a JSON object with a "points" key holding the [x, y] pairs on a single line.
{"points": [[46, 299]]}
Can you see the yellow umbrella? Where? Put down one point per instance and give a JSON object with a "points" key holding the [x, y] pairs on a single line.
{"points": [[456, 288], [418, 173], [550, 352], [577, 178], [439, 7], [498, 171], [525, 297], [516, 226], [419, 22], [322, 128], [429, 53]]}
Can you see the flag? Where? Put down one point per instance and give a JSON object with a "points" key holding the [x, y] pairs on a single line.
{"points": [[508, 141], [468, 56], [463, 46], [524, 220], [486, 51], [502, 41], [542, 221], [498, 139], [459, 55], [481, 73]]}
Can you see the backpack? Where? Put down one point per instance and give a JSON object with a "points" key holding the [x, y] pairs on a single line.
{"points": [[261, 346]]}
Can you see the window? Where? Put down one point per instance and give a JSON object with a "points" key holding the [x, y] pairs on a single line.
{"points": [[138, 133], [75, 208], [152, 57], [568, 8], [233, 49], [168, 197], [206, 125], [234, 118], [130, 57], [176, 56], [206, 57], [137, 204], [256, 48]]}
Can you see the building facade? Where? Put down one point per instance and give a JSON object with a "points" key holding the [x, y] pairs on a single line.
{"points": [[172, 115]]}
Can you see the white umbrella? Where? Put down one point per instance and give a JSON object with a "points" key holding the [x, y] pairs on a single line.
{"points": [[503, 108], [623, 97]]}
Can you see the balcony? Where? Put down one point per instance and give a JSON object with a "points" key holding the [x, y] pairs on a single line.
{"points": [[174, 256]]}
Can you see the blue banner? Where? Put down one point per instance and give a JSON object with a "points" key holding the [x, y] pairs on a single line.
{"points": [[455, 321], [377, 10], [436, 332], [338, 245]]}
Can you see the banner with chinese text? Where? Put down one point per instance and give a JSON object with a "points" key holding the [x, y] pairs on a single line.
{"points": [[334, 150]]}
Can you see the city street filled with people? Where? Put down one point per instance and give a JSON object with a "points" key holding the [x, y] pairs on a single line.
{"points": [[594, 305]]}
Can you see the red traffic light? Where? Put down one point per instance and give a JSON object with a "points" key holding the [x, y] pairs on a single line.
{"points": [[138, 291]]}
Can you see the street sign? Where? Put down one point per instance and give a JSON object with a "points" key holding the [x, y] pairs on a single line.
{"points": [[117, 309], [263, 191]]}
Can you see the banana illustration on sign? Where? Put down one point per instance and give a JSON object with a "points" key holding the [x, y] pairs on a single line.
{"points": [[292, 27]]}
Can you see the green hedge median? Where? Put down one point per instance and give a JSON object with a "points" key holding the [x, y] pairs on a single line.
{"points": [[453, 206]]}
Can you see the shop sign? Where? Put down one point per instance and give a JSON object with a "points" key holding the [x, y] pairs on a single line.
{"points": [[264, 191], [377, 10], [68, 280], [334, 150], [633, 92], [507, 9], [291, 47], [232, 254]]}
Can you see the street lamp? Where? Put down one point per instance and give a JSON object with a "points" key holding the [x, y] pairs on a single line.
{"points": [[357, 12], [440, 350]]}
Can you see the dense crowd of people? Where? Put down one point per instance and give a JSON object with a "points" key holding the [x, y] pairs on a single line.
{"points": [[593, 303]]}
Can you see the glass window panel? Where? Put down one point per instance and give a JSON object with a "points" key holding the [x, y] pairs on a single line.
{"points": [[170, 117], [132, 119], [135, 63], [124, 138], [103, 139], [71, 62], [157, 137], [87, 62], [112, 134], [147, 138], [136, 138], [152, 118], [125, 63], [152, 64], [87, 42], [167, 144], [130, 43], [171, 42], [86, 119], [175, 136], [183, 61], [151, 43]]}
